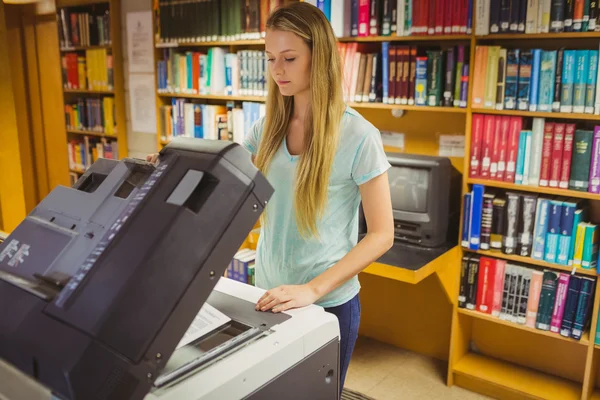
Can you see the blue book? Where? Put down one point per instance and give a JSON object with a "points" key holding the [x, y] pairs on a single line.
{"points": [[385, 67], [198, 129], [570, 305], [568, 81], [584, 306], [469, 17], [567, 218], [592, 77], [511, 84], [520, 167], [524, 87], [466, 220], [534, 92], [476, 211], [554, 219], [541, 228], [421, 81], [551, 247], [547, 78], [580, 83], [325, 6]]}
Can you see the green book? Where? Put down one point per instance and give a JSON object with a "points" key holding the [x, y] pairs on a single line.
{"points": [[434, 78], [590, 247], [547, 297], [580, 160]]}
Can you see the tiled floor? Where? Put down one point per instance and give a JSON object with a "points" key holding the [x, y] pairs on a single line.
{"points": [[386, 372]]}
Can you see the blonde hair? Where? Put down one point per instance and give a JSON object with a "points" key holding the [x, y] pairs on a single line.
{"points": [[323, 115]]}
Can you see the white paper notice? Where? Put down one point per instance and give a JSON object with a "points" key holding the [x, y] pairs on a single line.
{"points": [[139, 42], [207, 320], [452, 146], [393, 139], [142, 103]]}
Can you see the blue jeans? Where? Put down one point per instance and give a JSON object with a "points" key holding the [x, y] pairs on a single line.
{"points": [[348, 315]]}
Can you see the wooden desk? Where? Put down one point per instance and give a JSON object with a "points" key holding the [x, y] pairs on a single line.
{"points": [[411, 309]]}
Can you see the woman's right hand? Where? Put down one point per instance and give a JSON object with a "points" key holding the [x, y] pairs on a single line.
{"points": [[152, 158]]}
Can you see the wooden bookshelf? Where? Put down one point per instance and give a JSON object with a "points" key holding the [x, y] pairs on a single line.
{"points": [[113, 48], [512, 360]]}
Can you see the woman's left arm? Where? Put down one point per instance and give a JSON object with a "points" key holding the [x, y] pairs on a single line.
{"points": [[377, 207]]}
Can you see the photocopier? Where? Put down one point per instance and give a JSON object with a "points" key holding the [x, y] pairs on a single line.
{"points": [[110, 289]]}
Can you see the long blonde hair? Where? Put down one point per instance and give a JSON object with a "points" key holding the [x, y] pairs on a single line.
{"points": [[323, 115]]}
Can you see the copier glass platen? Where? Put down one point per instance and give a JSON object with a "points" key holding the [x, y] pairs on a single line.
{"points": [[106, 278]]}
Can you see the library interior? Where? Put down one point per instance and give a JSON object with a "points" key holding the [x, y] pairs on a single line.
{"points": [[482, 108]]}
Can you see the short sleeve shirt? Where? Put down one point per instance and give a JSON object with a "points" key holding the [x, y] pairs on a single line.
{"points": [[284, 257]]}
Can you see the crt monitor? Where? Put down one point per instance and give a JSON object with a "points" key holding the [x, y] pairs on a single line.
{"points": [[425, 193]]}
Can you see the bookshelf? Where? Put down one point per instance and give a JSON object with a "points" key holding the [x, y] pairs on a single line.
{"points": [[485, 354], [90, 40], [501, 358]]}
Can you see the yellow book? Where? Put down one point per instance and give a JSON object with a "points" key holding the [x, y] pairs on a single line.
{"points": [[579, 239], [81, 75]]}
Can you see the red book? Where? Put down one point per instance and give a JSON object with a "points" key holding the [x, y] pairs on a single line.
{"points": [[566, 157], [513, 148], [423, 17], [393, 58], [546, 154], [195, 71], [476, 140], [497, 136], [498, 287], [558, 140], [464, 15], [456, 17], [484, 287], [431, 17], [486, 146], [449, 18], [440, 16], [364, 13], [504, 129]]}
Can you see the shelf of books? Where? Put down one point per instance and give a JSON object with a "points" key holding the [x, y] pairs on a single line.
{"points": [[526, 315], [93, 87]]}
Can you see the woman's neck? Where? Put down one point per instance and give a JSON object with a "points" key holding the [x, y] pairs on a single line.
{"points": [[301, 102]]}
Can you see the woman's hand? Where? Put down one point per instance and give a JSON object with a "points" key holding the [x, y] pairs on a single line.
{"points": [[285, 297], [152, 158]]}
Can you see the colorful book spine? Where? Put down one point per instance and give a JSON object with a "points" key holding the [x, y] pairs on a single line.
{"points": [[541, 228], [591, 81], [534, 93], [589, 255], [512, 79], [559, 303], [580, 82], [524, 86], [568, 81], [570, 306], [547, 74], [594, 186], [534, 297], [421, 82], [567, 220]]}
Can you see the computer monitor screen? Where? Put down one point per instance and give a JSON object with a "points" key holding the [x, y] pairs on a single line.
{"points": [[409, 187]]}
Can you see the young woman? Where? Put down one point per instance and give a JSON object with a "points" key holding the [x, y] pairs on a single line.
{"points": [[322, 158]]}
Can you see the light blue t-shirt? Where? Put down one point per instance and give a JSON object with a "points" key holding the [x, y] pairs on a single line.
{"points": [[284, 257]]}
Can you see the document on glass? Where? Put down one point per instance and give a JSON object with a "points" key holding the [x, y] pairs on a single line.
{"points": [[207, 320]]}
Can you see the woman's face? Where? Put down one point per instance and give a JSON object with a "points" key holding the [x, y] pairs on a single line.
{"points": [[289, 61]]}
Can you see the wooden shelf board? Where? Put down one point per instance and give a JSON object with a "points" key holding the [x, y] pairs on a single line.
{"points": [[214, 97], [531, 261], [535, 189], [212, 43], [90, 133], [89, 91], [536, 36], [77, 3], [383, 106], [584, 341], [517, 379], [539, 114], [78, 48], [393, 38]]}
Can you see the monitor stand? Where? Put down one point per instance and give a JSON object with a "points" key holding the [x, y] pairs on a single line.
{"points": [[412, 256]]}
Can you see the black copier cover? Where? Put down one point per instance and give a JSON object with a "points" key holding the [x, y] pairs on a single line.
{"points": [[101, 281]]}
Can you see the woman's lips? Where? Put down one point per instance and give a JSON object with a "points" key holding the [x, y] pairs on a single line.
{"points": [[283, 82]]}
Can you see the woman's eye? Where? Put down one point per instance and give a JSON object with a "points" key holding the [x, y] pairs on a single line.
{"points": [[289, 59], [270, 59]]}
